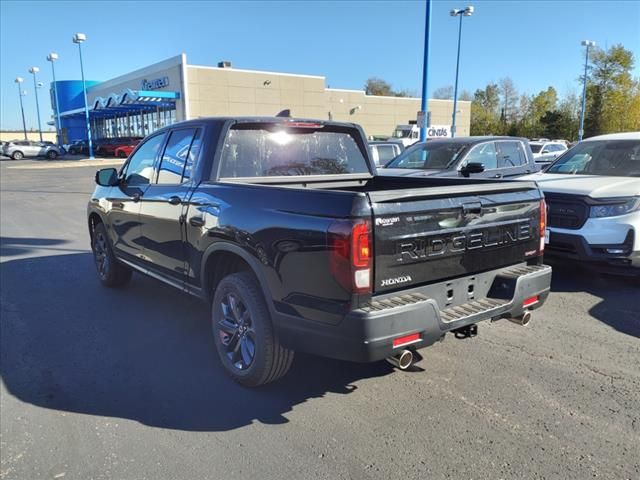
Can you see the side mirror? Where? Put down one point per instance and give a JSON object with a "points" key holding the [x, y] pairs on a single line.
{"points": [[107, 177], [472, 167]]}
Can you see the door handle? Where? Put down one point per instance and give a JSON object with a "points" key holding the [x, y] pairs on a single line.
{"points": [[174, 200], [196, 221], [497, 175], [135, 197]]}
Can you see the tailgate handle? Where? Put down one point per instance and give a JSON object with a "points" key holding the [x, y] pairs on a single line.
{"points": [[472, 208]]}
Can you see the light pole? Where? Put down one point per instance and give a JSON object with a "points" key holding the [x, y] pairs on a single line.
{"points": [[21, 94], [424, 105], [33, 71], [79, 38], [462, 12], [585, 43], [52, 57]]}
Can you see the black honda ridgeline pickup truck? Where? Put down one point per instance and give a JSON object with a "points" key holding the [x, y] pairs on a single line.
{"points": [[285, 228]]}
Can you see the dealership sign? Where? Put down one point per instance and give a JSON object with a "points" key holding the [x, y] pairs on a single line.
{"points": [[439, 131], [155, 84]]}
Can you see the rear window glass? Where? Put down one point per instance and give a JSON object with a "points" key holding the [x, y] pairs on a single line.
{"points": [[434, 154], [275, 150], [535, 148]]}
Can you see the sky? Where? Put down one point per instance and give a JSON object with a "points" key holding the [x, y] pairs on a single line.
{"points": [[535, 42]]}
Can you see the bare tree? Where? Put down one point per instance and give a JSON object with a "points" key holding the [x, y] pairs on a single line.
{"points": [[509, 99], [465, 96], [443, 93]]}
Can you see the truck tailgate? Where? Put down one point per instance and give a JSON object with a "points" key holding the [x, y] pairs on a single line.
{"points": [[430, 234]]}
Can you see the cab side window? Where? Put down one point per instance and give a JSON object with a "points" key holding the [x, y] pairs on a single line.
{"points": [[139, 170], [485, 153]]}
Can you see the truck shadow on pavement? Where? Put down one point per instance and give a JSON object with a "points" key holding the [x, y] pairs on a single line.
{"points": [[12, 246], [619, 306], [144, 353]]}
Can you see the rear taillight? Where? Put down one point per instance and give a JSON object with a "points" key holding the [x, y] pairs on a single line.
{"points": [[351, 254], [543, 224]]}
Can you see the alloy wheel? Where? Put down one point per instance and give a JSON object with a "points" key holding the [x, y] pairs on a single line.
{"points": [[236, 332], [100, 253]]}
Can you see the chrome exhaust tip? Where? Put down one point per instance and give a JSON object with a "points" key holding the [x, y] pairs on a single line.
{"points": [[402, 360], [523, 319]]}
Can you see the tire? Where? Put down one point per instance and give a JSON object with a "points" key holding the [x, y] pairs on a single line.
{"points": [[72, 151], [17, 155], [52, 154], [121, 154], [111, 272], [241, 324]]}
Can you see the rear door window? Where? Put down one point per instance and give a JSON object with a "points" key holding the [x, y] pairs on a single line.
{"points": [[510, 155], [177, 155]]}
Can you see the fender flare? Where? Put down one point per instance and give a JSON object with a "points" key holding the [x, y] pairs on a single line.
{"points": [[253, 262]]}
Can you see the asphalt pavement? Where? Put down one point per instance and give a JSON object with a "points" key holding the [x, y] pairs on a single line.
{"points": [[125, 384]]}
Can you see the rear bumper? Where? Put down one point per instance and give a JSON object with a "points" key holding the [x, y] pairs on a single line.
{"points": [[367, 334], [575, 247]]}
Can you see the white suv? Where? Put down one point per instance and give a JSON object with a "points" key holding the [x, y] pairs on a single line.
{"points": [[547, 152], [593, 198]]}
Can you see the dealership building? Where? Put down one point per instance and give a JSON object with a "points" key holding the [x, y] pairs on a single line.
{"points": [[142, 101]]}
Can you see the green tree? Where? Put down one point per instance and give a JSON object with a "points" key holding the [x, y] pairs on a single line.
{"points": [[484, 110], [377, 86], [612, 92], [556, 124]]}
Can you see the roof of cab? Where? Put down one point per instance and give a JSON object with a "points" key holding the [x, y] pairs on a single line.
{"points": [[256, 119]]}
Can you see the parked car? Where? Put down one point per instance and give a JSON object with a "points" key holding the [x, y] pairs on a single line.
{"points": [[108, 146], [382, 152], [593, 196], [546, 152], [19, 149], [78, 147], [284, 228], [123, 151], [485, 157]]}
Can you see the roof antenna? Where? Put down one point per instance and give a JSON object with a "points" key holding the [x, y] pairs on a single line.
{"points": [[284, 113]]}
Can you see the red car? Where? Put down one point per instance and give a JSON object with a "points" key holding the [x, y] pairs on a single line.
{"points": [[124, 151], [108, 147]]}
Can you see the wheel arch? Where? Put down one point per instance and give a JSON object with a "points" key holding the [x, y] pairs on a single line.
{"points": [[93, 220], [222, 259]]}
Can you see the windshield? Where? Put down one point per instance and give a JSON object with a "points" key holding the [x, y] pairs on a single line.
{"points": [[402, 133], [619, 158], [535, 148], [433, 155], [252, 150]]}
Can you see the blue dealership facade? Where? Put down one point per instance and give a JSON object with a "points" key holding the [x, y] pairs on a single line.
{"points": [[132, 105]]}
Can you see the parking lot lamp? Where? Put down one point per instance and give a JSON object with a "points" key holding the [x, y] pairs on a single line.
{"points": [[33, 71], [52, 57], [79, 38], [21, 94], [424, 105], [585, 43], [462, 12]]}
